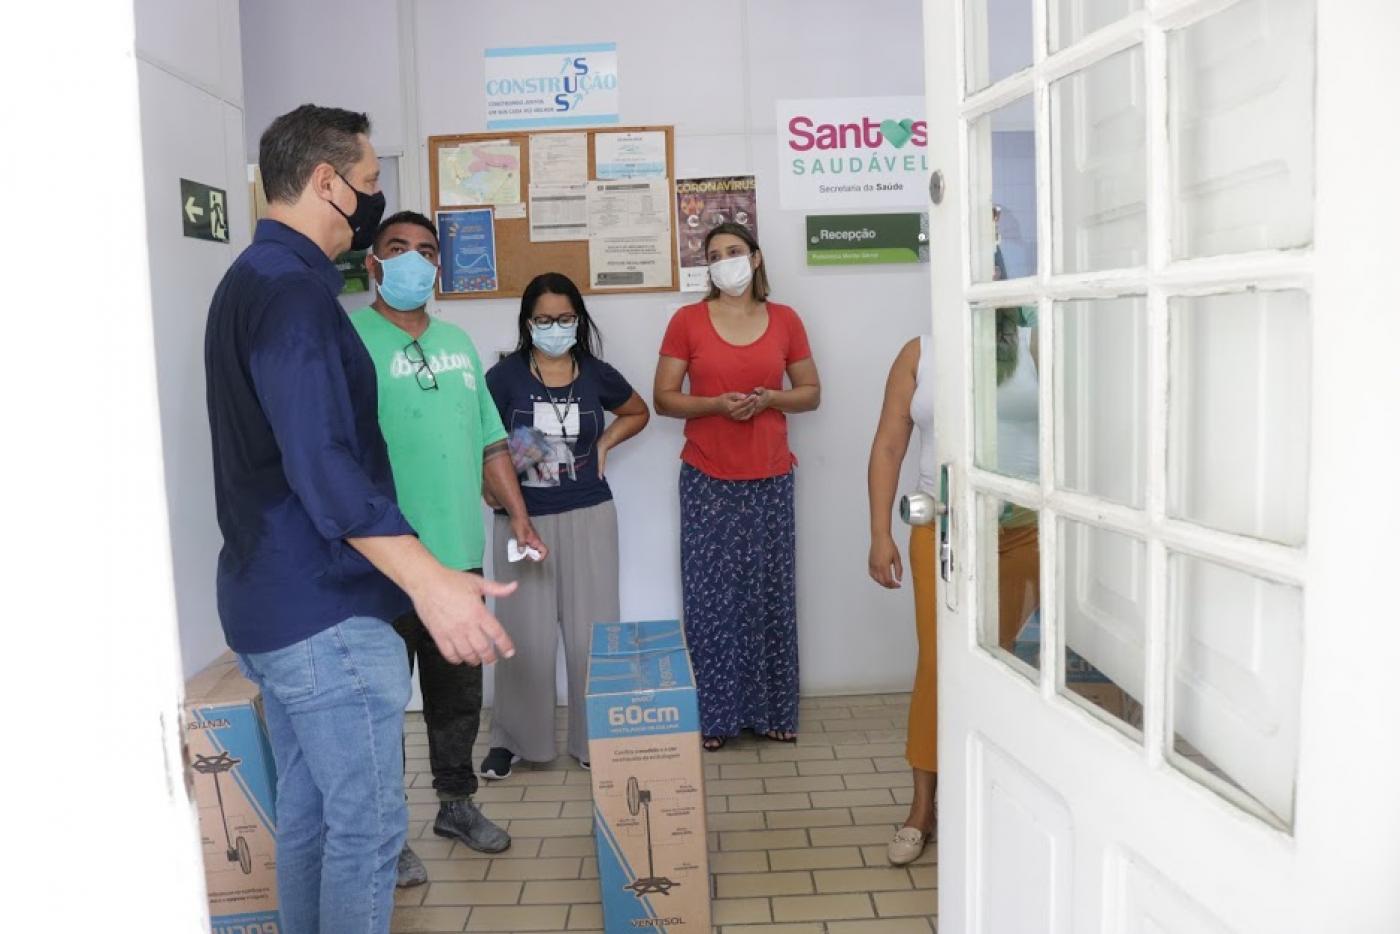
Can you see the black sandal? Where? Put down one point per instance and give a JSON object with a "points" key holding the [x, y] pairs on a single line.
{"points": [[714, 743], [776, 736]]}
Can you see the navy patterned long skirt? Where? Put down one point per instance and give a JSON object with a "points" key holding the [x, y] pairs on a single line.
{"points": [[738, 572]]}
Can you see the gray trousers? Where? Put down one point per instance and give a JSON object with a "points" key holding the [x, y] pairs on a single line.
{"points": [[569, 592]]}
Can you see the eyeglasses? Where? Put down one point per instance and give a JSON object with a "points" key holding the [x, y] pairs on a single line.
{"points": [[545, 323], [424, 373]]}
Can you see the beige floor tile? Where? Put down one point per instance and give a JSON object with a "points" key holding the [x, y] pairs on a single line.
{"points": [[724, 911], [588, 869], [826, 857], [823, 908], [455, 870], [850, 799], [524, 810], [567, 846], [571, 827], [885, 879], [851, 836], [564, 792], [521, 918], [524, 776], [521, 847], [871, 751], [826, 817], [835, 767], [891, 764], [433, 848], [744, 861], [556, 868], [761, 770], [471, 894], [408, 898], [758, 884], [732, 755], [892, 926], [716, 805], [880, 814], [575, 809], [772, 929], [421, 795], [777, 752], [803, 783], [576, 892], [585, 916], [489, 794], [845, 738], [903, 795], [763, 839], [924, 877], [901, 779], [744, 820], [428, 919], [735, 786], [922, 902], [788, 802]]}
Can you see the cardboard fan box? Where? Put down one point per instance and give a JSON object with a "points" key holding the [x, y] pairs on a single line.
{"points": [[648, 780], [234, 782]]}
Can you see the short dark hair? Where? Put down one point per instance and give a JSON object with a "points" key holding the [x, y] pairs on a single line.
{"points": [[759, 286], [589, 342], [296, 142], [404, 217]]}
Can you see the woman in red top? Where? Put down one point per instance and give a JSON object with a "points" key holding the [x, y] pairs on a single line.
{"points": [[738, 537]]}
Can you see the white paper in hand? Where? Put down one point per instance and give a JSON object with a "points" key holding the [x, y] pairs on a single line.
{"points": [[515, 553]]}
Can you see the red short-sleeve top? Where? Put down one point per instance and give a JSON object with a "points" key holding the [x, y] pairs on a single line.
{"points": [[718, 446]]}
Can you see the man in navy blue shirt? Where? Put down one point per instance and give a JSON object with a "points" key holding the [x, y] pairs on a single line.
{"points": [[317, 556]]}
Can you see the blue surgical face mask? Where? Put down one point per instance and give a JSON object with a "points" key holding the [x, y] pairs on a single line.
{"points": [[408, 281], [556, 340]]}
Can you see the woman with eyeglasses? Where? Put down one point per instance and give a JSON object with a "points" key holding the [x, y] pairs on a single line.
{"points": [[738, 535], [554, 394]]}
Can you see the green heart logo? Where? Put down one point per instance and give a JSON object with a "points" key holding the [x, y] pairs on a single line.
{"points": [[898, 133]]}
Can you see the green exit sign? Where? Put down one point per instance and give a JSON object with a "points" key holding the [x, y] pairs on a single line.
{"points": [[204, 211]]}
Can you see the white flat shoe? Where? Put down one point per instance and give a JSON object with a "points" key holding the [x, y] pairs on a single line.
{"points": [[906, 846]]}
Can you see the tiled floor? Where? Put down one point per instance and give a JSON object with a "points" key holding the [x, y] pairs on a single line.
{"points": [[797, 837]]}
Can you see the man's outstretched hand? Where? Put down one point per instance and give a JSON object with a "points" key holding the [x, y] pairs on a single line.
{"points": [[452, 610]]}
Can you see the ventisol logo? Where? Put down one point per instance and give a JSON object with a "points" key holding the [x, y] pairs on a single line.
{"points": [[868, 146], [576, 78]]}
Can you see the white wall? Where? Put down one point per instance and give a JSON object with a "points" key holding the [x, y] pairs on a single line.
{"points": [[719, 92], [191, 82]]}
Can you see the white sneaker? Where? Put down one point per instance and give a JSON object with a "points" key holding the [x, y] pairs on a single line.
{"points": [[906, 846]]}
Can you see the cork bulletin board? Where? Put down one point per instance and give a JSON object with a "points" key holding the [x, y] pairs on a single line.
{"points": [[518, 258]]}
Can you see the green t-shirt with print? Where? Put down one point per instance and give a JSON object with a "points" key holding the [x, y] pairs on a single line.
{"points": [[435, 436]]}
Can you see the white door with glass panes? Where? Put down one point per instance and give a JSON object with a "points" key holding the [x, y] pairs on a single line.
{"points": [[1168, 387]]}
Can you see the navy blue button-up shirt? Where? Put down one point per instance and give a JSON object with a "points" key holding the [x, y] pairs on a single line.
{"points": [[299, 462]]}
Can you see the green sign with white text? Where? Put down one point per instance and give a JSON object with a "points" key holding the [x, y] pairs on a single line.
{"points": [[866, 239]]}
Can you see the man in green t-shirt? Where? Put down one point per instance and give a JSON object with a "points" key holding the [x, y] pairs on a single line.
{"points": [[445, 438]]}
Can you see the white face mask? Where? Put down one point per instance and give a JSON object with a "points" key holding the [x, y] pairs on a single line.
{"points": [[732, 276]]}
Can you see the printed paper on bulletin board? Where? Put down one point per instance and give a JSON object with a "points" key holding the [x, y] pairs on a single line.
{"points": [[539, 224]]}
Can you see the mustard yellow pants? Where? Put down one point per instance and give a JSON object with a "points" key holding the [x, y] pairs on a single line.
{"points": [[922, 747]]}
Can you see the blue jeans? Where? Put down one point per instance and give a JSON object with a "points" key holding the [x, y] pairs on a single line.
{"points": [[334, 705]]}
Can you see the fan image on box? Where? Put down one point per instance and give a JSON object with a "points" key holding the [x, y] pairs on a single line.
{"points": [[237, 851], [640, 800]]}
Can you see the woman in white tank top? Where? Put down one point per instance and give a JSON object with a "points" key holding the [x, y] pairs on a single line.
{"points": [[909, 402]]}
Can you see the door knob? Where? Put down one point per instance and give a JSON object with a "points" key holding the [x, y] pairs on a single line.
{"points": [[935, 187]]}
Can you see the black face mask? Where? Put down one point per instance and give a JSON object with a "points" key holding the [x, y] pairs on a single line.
{"points": [[368, 210]]}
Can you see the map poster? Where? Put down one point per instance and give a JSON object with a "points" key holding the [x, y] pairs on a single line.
{"points": [[703, 204], [479, 174], [468, 251]]}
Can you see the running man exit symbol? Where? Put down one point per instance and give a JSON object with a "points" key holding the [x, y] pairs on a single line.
{"points": [[203, 210]]}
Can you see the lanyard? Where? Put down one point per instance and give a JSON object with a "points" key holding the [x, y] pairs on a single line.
{"points": [[568, 404]]}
